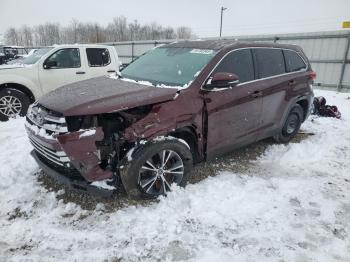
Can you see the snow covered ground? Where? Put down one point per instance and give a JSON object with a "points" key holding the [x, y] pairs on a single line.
{"points": [[293, 204]]}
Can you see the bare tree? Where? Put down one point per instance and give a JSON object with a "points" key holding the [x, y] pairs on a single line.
{"points": [[11, 36], [184, 32], [118, 29], [77, 32], [27, 34]]}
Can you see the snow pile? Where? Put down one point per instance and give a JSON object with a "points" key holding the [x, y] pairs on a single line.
{"points": [[86, 133], [41, 131], [292, 205], [147, 83], [103, 184]]}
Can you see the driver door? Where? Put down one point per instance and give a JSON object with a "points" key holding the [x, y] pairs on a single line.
{"points": [[68, 67], [233, 113]]}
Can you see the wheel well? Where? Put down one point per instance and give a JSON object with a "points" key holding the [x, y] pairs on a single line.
{"points": [[21, 88], [188, 134], [305, 105]]}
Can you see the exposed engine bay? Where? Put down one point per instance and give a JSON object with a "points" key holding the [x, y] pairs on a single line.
{"points": [[112, 148]]}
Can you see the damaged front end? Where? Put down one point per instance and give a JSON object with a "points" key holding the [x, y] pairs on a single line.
{"points": [[82, 151]]}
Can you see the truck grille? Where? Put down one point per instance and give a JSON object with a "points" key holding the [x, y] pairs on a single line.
{"points": [[42, 117]]}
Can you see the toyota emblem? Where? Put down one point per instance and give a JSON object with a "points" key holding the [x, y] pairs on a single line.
{"points": [[40, 119]]}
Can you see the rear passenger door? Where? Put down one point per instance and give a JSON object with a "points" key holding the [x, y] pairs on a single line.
{"points": [[274, 85], [100, 62], [281, 76], [233, 114]]}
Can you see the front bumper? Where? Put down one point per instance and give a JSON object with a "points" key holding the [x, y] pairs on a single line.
{"points": [[70, 152], [71, 182]]}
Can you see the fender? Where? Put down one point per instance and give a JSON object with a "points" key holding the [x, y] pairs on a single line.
{"points": [[17, 76], [292, 102], [150, 127]]}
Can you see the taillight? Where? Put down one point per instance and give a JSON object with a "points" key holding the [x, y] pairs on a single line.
{"points": [[313, 75]]}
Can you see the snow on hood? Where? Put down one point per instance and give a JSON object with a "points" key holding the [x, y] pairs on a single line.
{"points": [[103, 95]]}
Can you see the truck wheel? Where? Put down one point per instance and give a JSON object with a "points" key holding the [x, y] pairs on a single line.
{"points": [[155, 166], [291, 126], [12, 103]]}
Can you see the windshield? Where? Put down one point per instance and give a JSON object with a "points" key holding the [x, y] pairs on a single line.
{"points": [[32, 59], [169, 66]]}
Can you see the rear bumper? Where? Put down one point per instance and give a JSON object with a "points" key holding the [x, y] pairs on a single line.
{"points": [[71, 183], [310, 103]]}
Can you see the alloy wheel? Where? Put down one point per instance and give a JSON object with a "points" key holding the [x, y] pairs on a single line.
{"points": [[10, 106], [161, 170], [292, 124]]}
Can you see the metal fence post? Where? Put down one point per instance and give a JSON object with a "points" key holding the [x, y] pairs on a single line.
{"points": [[132, 51], [345, 61]]}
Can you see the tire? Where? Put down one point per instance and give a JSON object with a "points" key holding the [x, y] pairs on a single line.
{"points": [[144, 177], [18, 100], [291, 125]]}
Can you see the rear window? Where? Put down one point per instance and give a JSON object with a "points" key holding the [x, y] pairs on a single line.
{"points": [[98, 57], [293, 61], [239, 62], [21, 51], [270, 62]]}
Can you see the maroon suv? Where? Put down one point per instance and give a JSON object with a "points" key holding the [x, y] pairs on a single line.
{"points": [[174, 106]]}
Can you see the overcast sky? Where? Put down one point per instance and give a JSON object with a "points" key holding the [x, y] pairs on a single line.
{"points": [[203, 16]]}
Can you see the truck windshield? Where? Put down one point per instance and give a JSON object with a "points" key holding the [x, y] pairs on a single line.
{"points": [[32, 59], [169, 66]]}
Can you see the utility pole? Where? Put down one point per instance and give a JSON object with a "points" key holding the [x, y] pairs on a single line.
{"points": [[222, 12]]}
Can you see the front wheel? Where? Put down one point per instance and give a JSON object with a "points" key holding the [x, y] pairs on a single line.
{"points": [[155, 166], [291, 125], [12, 103]]}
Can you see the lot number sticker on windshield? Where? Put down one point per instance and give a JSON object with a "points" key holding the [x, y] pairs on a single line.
{"points": [[201, 51]]}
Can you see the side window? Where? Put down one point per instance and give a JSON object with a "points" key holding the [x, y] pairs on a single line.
{"points": [[270, 62], [66, 58], [98, 57], [239, 62], [21, 51], [293, 61]]}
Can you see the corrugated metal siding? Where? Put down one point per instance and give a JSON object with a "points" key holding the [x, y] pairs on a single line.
{"points": [[325, 50], [346, 79]]}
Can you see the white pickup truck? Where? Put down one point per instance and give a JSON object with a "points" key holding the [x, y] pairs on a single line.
{"points": [[49, 68]]}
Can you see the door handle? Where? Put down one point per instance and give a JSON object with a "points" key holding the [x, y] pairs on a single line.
{"points": [[80, 73], [111, 71], [256, 94], [292, 82]]}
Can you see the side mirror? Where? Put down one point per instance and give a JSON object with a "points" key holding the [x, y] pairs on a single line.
{"points": [[50, 64], [222, 80]]}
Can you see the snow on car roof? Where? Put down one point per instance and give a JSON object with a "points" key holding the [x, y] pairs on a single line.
{"points": [[81, 45], [14, 46], [218, 44]]}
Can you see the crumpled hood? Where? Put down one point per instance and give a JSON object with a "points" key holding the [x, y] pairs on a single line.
{"points": [[103, 95]]}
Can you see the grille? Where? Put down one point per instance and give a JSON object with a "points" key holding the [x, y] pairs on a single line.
{"points": [[53, 123], [58, 157], [67, 171], [49, 120]]}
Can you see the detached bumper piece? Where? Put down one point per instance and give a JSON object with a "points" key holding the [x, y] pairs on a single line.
{"points": [[71, 182]]}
